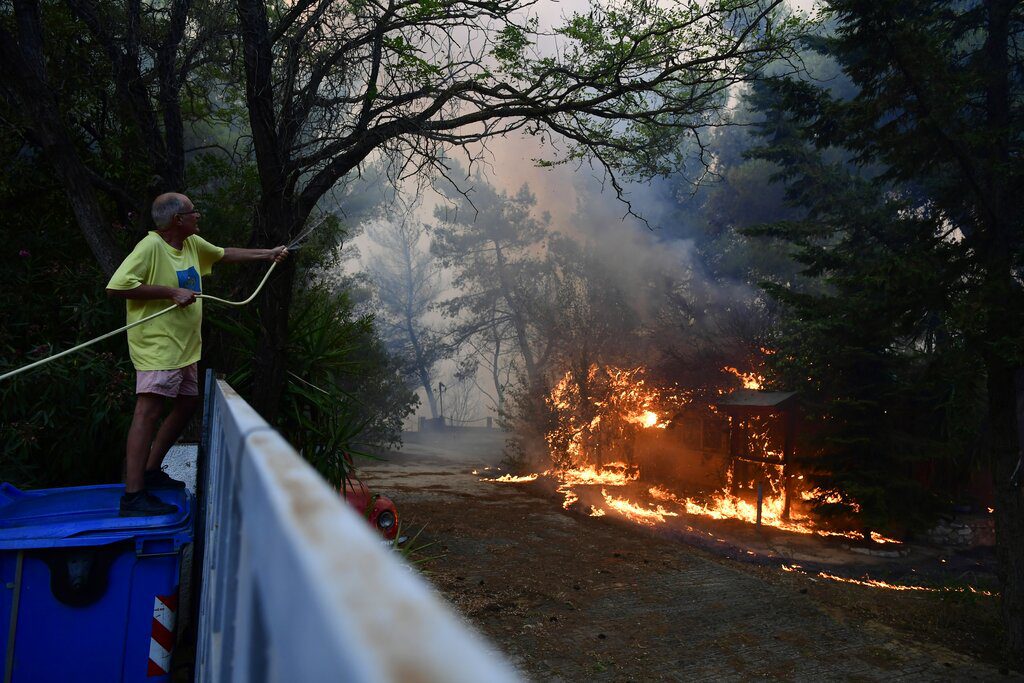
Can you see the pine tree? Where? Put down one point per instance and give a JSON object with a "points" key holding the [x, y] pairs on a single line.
{"points": [[939, 110], [859, 332]]}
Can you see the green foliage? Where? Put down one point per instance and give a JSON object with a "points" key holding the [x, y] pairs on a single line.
{"points": [[225, 192], [65, 422], [941, 110], [869, 336], [413, 550], [344, 393], [938, 112], [427, 8], [644, 135], [510, 45], [493, 242], [407, 285]]}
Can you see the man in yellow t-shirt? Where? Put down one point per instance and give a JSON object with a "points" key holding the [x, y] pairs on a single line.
{"points": [[168, 264]]}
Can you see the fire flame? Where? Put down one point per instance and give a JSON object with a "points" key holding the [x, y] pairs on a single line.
{"points": [[599, 410], [724, 505], [634, 512], [612, 474], [569, 494], [647, 419], [600, 414], [513, 479], [876, 583], [721, 506], [751, 380], [832, 497]]}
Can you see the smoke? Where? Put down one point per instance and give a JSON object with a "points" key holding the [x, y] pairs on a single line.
{"points": [[658, 263], [653, 246]]}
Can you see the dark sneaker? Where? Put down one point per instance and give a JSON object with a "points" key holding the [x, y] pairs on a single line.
{"points": [[143, 504], [158, 479]]}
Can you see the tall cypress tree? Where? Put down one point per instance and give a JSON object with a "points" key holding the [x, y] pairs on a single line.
{"points": [[939, 110], [865, 332]]}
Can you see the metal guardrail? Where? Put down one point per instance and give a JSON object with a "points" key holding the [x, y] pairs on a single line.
{"points": [[296, 586]]}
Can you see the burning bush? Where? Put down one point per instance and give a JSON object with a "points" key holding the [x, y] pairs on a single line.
{"points": [[604, 430], [597, 414]]}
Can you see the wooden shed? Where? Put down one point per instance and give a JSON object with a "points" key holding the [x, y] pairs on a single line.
{"points": [[779, 407]]}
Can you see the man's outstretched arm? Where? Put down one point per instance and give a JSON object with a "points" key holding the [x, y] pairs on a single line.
{"points": [[237, 255]]}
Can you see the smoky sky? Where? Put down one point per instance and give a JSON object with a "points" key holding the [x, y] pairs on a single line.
{"points": [[582, 204]]}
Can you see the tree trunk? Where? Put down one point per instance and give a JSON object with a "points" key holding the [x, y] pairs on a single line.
{"points": [[1003, 305], [1004, 308], [270, 364], [421, 366], [518, 320], [499, 388], [276, 219], [21, 62], [84, 204], [1009, 512], [431, 401]]}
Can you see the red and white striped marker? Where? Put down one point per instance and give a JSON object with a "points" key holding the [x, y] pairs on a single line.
{"points": [[161, 641]]}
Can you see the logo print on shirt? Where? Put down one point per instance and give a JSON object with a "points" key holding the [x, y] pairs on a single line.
{"points": [[189, 279]]}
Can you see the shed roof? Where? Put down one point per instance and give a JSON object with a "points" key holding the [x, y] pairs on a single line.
{"points": [[755, 398]]}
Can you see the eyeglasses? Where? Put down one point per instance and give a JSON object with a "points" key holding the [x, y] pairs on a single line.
{"points": [[187, 213]]}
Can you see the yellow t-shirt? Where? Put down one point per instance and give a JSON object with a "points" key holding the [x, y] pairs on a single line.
{"points": [[174, 339]]}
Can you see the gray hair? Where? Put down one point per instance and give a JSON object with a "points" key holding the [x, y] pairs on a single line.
{"points": [[164, 208]]}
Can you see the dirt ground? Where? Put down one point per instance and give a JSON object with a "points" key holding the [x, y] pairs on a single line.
{"points": [[571, 598]]}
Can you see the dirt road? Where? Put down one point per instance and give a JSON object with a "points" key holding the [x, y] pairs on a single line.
{"points": [[576, 598]]}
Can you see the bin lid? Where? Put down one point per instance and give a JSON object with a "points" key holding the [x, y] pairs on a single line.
{"points": [[84, 516]]}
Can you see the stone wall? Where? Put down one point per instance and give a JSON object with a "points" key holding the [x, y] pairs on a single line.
{"points": [[963, 531]]}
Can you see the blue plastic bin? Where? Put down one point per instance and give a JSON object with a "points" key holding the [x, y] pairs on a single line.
{"points": [[86, 595]]}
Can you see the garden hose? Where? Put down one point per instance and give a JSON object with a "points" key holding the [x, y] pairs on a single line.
{"points": [[26, 368], [294, 246]]}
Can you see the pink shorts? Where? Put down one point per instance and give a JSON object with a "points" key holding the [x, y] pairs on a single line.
{"points": [[170, 383]]}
